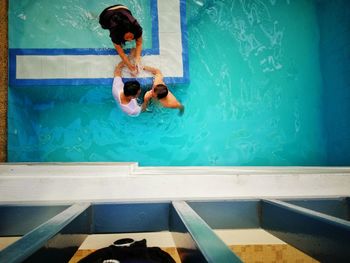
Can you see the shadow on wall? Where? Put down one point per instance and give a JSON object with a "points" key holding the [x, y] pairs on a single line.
{"points": [[334, 22]]}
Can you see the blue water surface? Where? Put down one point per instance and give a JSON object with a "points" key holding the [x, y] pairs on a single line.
{"points": [[254, 98]]}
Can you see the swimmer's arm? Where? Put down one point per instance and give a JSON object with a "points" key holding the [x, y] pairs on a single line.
{"points": [[173, 103], [154, 71], [118, 69], [146, 100], [176, 105], [181, 109], [124, 57], [158, 76], [138, 50]]}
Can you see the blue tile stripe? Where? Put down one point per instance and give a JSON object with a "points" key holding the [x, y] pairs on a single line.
{"points": [[14, 52], [184, 39], [75, 51], [155, 22]]}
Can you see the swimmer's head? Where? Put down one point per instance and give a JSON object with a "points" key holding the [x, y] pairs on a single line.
{"points": [[160, 91], [132, 89], [121, 27]]}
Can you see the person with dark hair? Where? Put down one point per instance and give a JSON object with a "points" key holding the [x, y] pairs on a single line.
{"points": [[160, 92], [123, 27], [125, 94]]}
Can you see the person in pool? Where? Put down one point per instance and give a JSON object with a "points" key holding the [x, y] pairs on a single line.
{"points": [[123, 27], [125, 94], [160, 92]]}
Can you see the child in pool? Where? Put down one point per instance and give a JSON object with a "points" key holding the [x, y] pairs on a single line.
{"points": [[160, 92]]}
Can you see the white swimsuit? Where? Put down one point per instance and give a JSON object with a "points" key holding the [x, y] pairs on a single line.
{"points": [[132, 108]]}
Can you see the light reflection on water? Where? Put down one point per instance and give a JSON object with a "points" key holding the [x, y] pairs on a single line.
{"points": [[253, 98]]}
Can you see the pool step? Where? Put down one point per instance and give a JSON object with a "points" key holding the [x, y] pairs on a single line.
{"points": [[128, 181], [133, 169], [66, 169], [231, 170]]}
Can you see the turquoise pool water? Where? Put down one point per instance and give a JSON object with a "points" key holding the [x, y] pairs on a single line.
{"points": [[67, 23], [254, 97]]}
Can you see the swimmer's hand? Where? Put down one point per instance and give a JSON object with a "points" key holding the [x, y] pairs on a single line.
{"points": [[118, 69], [138, 64], [133, 70], [146, 100], [181, 110], [134, 73], [137, 68]]}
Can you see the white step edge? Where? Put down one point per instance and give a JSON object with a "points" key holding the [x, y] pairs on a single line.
{"points": [[50, 185], [67, 169]]}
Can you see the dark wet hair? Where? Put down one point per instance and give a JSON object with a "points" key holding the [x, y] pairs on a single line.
{"points": [[161, 90], [110, 18], [119, 22], [131, 88], [117, 33]]}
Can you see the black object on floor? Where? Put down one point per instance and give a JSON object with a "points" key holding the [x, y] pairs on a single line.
{"points": [[127, 250]]}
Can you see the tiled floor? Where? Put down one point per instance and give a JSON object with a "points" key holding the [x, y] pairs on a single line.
{"points": [[271, 254], [3, 79], [247, 253], [83, 253]]}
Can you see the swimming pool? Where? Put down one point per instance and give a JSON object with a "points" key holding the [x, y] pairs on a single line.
{"points": [[260, 92]]}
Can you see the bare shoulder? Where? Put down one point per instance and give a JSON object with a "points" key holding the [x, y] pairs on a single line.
{"points": [[170, 101]]}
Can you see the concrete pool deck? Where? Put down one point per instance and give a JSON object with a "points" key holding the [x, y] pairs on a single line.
{"points": [[3, 79]]}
